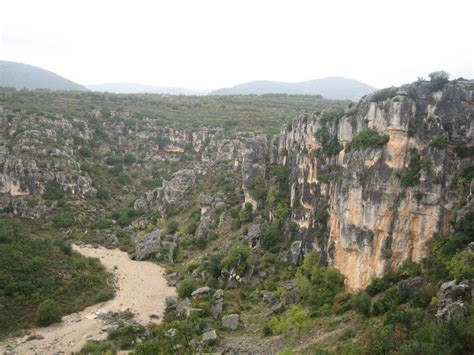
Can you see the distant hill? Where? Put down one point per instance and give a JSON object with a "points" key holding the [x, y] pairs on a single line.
{"points": [[329, 88], [19, 76], [135, 88]]}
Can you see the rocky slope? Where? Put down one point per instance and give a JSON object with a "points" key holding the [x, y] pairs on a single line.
{"points": [[369, 186], [384, 200]]}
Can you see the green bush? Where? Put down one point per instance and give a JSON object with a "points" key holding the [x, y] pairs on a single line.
{"points": [[438, 79], [438, 141], [410, 176], [318, 284], [192, 227], [237, 257], [186, 288], [64, 220], [330, 146], [102, 223], [48, 312], [461, 266], [102, 194], [246, 215], [332, 114], [172, 227], [383, 94], [258, 187], [53, 191], [361, 303], [270, 236], [367, 138], [85, 152]]}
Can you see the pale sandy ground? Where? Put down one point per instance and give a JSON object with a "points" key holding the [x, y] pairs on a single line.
{"points": [[141, 288]]}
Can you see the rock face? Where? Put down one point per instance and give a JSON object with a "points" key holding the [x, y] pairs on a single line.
{"points": [[373, 207], [230, 321], [454, 299], [172, 192], [365, 207], [148, 245]]}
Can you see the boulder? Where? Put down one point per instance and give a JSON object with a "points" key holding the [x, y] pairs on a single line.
{"points": [[209, 337], [171, 302], [201, 291], [219, 294], [230, 321], [148, 245], [253, 235], [454, 299], [216, 310], [296, 252]]}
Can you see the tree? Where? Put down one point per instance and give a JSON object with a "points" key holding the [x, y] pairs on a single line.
{"points": [[361, 302], [438, 79], [48, 313]]}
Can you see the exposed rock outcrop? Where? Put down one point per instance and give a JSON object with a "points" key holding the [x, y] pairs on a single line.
{"points": [[374, 207], [454, 299], [172, 192]]}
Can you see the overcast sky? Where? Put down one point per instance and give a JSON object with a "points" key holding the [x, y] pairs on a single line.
{"points": [[205, 44]]}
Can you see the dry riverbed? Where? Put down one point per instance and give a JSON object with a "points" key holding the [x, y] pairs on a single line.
{"points": [[141, 288]]}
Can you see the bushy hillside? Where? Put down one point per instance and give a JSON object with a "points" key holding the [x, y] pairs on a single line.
{"points": [[245, 222], [36, 268]]}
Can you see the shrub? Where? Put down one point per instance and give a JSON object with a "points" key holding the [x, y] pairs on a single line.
{"points": [[237, 257], [258, 187], [129, 159], [361, 302], [438, 79], [438, 141], [330, 145], [200, 242], [186, 288], [102, 223], [48, 313], [172, 227], [246, 215], [461, 266], [318, 284], [85, 152], [269, 237], [410, 176], [367, 138], [332, 114], [53, 191], [377, 285], [102, 194], [383, 94], [64, 220], [192, 227]]}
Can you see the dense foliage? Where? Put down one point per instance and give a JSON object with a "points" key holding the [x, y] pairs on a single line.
{"points": [[51, 281], [367, 138]]}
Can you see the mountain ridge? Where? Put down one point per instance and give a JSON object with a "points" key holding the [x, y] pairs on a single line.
{"points": [[333, 87], [21, 75], [137, 88]]}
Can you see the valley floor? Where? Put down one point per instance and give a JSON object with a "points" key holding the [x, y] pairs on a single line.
{"points": [[141, 288]]}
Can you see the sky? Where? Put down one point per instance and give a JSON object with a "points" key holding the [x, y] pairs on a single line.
{"points": [[207, 44]]}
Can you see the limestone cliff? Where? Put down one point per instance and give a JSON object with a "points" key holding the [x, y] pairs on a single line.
{"points": [[370, 206]]}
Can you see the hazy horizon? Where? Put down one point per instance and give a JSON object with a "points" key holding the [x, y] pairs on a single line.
{"points": [[209, 45]]}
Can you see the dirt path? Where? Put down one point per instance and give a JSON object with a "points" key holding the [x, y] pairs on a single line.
{"points": [[141, 287]]}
